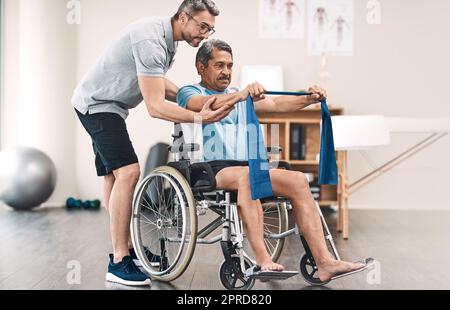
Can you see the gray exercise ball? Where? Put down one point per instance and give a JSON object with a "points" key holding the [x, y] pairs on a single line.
{"points": [[27, 177]]}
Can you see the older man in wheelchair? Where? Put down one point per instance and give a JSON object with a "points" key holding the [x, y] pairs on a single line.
{"points": [[222, 152]]}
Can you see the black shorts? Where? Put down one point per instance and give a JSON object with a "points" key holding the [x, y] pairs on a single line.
{"points": [[110, 140], [199, 176], [219, 165]]}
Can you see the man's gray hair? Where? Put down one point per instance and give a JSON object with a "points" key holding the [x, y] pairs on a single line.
{"points": [[204, 54], [195, 6]]}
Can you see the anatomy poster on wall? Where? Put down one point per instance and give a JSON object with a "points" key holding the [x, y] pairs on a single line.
{"points": [[330, 27], [282, 19]]}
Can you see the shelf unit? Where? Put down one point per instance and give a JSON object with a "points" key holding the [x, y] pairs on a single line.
{"points": [[310, 118]]}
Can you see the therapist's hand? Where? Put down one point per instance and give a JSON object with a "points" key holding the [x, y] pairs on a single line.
{"points": [[207, 115], [318, 95]]}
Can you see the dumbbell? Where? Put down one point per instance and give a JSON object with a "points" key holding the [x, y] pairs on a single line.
{"points": [[74, 204], [91, 204]]}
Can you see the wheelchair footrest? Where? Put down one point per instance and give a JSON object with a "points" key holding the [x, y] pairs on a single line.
{"points": [[256, 273]]}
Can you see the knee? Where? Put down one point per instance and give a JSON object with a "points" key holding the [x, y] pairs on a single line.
{"points": [[110, 178], [129, 175], [301, 182], [243, 180]]}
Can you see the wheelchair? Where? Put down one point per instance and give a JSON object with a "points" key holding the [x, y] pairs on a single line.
{"points": [[166, 208]]}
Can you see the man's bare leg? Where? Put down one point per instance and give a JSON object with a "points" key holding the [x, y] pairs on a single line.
{"points": [[237, 179], [294, 186], [120, 202], [107, 189]]}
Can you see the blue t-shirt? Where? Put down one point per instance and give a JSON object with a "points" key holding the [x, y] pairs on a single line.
{"points": [[223, 140]]}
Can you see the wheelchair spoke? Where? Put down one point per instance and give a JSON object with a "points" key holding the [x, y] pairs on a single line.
{"points": [[271, 225], [149, 206], [271, 211], [149, 231], [270, 218], [148, 220], [171, 194], [269, 246], [161, 204]]}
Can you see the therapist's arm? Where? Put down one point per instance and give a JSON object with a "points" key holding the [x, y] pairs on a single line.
{"points": [[153, 90], [171, 91]]}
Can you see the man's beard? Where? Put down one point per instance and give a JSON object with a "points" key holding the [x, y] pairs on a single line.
{"points": [[190, 40]]}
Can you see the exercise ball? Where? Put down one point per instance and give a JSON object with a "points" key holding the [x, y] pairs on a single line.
{"points": [[27, 177]]}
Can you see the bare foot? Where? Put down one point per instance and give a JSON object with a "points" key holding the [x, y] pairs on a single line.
{"points": [[268, 265], [335, 267]]}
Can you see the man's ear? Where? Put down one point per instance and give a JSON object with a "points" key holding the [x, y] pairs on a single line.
{"points": [[200, 68], [183, 18]]}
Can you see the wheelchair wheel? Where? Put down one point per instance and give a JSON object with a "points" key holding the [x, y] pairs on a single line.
{"points": [[165, 223], [309, 271], [231, 276], [275, 222]]}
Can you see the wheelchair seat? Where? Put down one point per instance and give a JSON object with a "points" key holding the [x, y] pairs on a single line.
{"points": [[200, 183]]}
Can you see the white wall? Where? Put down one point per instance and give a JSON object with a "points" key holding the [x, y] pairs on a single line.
{"points": [[399, 68], [40, 76]]}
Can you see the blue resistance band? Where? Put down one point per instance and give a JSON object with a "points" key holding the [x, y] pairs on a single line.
{"points": [[328, 173], [260, 184], [258, 162]]}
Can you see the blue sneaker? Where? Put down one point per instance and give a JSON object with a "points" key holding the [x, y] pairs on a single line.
{"points": [[152, 258], [126, 272]]}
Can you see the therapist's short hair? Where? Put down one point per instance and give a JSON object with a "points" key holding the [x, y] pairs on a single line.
{"points": [[204, 54], [195, 6]]}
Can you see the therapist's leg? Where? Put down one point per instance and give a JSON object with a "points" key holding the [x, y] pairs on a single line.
{"points": [[120, 208]]}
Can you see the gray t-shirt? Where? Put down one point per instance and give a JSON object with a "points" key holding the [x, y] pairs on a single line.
{"points": [[144, 48]]}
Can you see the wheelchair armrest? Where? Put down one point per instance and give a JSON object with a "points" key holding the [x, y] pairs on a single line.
{"points": [[273, 150], [211, 177], [185, 147], [280, 164]]}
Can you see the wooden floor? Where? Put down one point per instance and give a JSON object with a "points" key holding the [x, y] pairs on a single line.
{"points": [[412, 247]]}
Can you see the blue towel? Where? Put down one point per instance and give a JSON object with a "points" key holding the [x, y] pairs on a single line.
{"points": [[260, 184]]}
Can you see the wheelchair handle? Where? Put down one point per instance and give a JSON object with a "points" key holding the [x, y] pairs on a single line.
{"points": [[274, 150], [212, 178], [185, 147]]}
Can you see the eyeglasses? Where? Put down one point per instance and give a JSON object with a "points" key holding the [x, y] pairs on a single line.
{"points": [[203, 28]]}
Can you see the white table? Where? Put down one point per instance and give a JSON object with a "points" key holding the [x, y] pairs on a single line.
{"points": [[365, 132]]}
